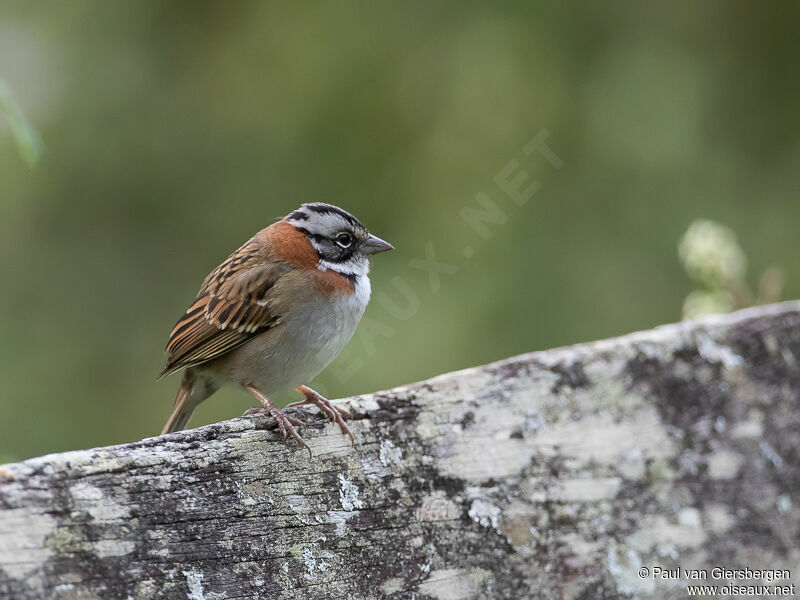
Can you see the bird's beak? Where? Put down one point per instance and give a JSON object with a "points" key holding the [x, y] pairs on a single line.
{"points": [[374, 245]]}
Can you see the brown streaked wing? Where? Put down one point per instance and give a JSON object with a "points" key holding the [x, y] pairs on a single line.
{"points": [[233, 305]]}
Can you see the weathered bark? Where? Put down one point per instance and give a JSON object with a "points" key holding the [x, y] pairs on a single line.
{"points": [[556, 474]]}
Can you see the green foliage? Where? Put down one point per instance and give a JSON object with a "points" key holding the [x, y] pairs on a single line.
{"points": [[29, 143]]}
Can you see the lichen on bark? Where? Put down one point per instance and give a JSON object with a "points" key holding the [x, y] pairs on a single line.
{"points": [[555, 474]]}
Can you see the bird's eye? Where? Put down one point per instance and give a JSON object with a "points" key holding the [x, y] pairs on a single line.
{"points": [[344, 239]]}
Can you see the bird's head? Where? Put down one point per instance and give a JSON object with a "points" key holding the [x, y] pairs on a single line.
{"points": [[341, 241]]}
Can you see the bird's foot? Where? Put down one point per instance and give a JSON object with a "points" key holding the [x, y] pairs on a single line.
{"points": [[327, 408], [285, 422]]}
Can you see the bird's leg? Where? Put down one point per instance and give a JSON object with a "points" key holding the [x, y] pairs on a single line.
{"points": [[285, 422], [334, 413]]}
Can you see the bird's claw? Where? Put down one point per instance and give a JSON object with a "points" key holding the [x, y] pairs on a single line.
{"points": [[334, 413], [285, 423]]}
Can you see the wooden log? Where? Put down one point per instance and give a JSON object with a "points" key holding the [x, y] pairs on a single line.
{"points": [[571, 473]]}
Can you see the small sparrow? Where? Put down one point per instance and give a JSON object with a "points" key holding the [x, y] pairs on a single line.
{"points": [[276, 313]]}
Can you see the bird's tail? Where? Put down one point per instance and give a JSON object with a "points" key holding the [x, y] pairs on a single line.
{"points": [[192, 391]]}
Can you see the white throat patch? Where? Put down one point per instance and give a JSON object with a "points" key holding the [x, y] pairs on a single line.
{"points": [[355, 265]]}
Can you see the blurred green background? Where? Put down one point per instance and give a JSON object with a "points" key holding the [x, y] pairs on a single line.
{"points": [[175, 130]]}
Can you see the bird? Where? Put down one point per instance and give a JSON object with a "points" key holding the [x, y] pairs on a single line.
{"points": [[275, 314]]}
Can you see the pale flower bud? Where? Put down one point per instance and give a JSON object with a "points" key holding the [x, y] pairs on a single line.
{"points": [[711, 254]]}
